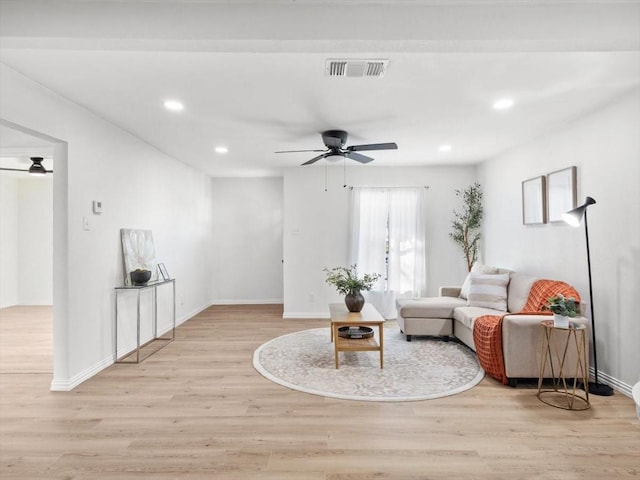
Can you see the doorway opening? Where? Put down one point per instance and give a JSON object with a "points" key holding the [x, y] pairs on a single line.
{"points": [[32, 243]]}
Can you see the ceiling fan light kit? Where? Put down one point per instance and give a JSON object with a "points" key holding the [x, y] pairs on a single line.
{"points": [[36, 168], [335, 141]]}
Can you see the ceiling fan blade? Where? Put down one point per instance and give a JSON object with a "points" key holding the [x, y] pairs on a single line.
{"points": [[358, 157], [315, 159], [20, 170], [299, 151], [373, 146]]}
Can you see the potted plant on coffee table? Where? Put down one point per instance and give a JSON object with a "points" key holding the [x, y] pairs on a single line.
{"points": [[347, 282], [563, 309]]}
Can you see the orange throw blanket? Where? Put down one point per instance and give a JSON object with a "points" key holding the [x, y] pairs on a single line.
{"points": [[487, 330]]}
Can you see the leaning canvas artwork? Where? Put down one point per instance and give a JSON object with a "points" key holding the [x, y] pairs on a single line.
{"points": [[138, 252]]}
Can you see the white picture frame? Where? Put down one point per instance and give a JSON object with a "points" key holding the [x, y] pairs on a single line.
{"points": [[163, 272], [561, 193], [534, 210]]}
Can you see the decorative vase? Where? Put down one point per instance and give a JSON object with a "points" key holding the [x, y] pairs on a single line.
{"points": [[354, 301], [560, 321], [140, 277]]}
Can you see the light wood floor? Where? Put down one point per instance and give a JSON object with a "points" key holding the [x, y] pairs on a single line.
{"points": [[198, 410]]}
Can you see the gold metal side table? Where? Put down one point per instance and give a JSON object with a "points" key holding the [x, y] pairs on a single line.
{"points": [[565, 392]]}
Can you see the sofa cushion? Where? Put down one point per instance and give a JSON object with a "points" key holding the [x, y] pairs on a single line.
{"points": [[432, 307], [467, 315], [477, 268], [489, 291], [518, 291]]}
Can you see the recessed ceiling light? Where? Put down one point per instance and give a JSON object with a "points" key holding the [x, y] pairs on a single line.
{"points": [[444, 148], [221, 149], [503, 104], [173, 105]]}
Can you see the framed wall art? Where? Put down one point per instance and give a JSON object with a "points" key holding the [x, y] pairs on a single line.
{"points": [[533, 201], [561, 193], [138, 252]]}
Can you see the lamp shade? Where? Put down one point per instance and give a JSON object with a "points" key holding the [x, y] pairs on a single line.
{"points": [[574, 217], [37, 168]]}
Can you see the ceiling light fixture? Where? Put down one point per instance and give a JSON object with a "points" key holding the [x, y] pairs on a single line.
{"points": [[444, 148], [173, 105], [221, 149], [36, 167], [503, 104]]}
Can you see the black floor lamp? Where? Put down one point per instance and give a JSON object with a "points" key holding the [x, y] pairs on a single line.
{"points": [[574, 218]]}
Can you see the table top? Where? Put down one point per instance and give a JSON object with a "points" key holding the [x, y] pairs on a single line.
{"points": [[369, 314], [572, 325], [149, 284]]}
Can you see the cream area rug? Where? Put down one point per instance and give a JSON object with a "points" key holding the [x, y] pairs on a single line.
{"points": [[423, 369]]}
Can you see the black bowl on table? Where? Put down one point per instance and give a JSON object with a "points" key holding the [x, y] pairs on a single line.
{"points": [[140, 277]]}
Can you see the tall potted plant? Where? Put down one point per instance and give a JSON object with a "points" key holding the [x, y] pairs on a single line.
{"points": [[347, 282], [466, 223]]}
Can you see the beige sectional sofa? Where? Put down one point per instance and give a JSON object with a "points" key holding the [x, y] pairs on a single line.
{"points": [[449, 314]]}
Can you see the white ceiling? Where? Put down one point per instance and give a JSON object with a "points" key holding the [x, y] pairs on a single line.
{"points": [[251, 74]]}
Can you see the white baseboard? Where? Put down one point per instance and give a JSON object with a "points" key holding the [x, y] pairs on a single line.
{"points": [[193, 313], [616, 384], [73, 382], [309, 315], [257, 301]]}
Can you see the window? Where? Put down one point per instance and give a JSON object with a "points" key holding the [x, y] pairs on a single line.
{"points": [[387, 237]]}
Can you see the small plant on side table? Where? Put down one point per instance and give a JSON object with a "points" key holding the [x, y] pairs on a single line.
{"points": [[562, 306]]}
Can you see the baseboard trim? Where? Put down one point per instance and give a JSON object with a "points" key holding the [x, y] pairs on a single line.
{"points": [[616, 384], [193, 313], [306, 315], [73, 382], [257, 301]]}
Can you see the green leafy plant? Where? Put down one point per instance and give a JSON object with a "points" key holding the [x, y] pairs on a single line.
{"points": [[466, 223], [562, 305], [346, 279]]}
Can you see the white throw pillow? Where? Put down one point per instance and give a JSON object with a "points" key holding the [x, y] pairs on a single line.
{"points": [[477, 268], [488, 291]]}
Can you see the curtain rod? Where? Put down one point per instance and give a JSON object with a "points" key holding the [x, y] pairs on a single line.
{"points": [[426, 187]]}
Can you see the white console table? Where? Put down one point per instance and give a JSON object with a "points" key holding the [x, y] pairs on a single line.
{"points": [[161, 341]]}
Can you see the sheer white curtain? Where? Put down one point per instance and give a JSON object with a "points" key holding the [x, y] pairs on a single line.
{"points": [[387, 237], [369, 213], [406, 242]]}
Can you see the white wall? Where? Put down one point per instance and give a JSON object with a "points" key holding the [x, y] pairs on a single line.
{"points": [[247, 240], [35, 241], [140, 187], [316, 227], [605, 147], [8, 240]]}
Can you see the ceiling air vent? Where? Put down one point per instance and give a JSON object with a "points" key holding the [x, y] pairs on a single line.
{"points": [[355, 68]]}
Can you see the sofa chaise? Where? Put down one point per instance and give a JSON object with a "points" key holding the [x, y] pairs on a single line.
{"points": [[455, 312]]}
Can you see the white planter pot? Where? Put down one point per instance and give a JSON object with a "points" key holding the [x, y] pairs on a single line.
{"points": [[560, 321]]}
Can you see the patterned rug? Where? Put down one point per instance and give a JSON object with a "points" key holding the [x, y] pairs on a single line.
{"points": [[423, 369]]}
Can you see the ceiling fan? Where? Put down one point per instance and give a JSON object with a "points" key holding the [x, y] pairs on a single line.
{"points": [[36, 167], [335, 141]]}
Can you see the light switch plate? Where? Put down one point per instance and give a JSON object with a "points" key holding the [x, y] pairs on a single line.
{"points": [[97, 207]]}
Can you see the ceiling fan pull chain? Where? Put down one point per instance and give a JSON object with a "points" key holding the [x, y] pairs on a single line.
{"points": [[326, 163], [344, 172]]}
